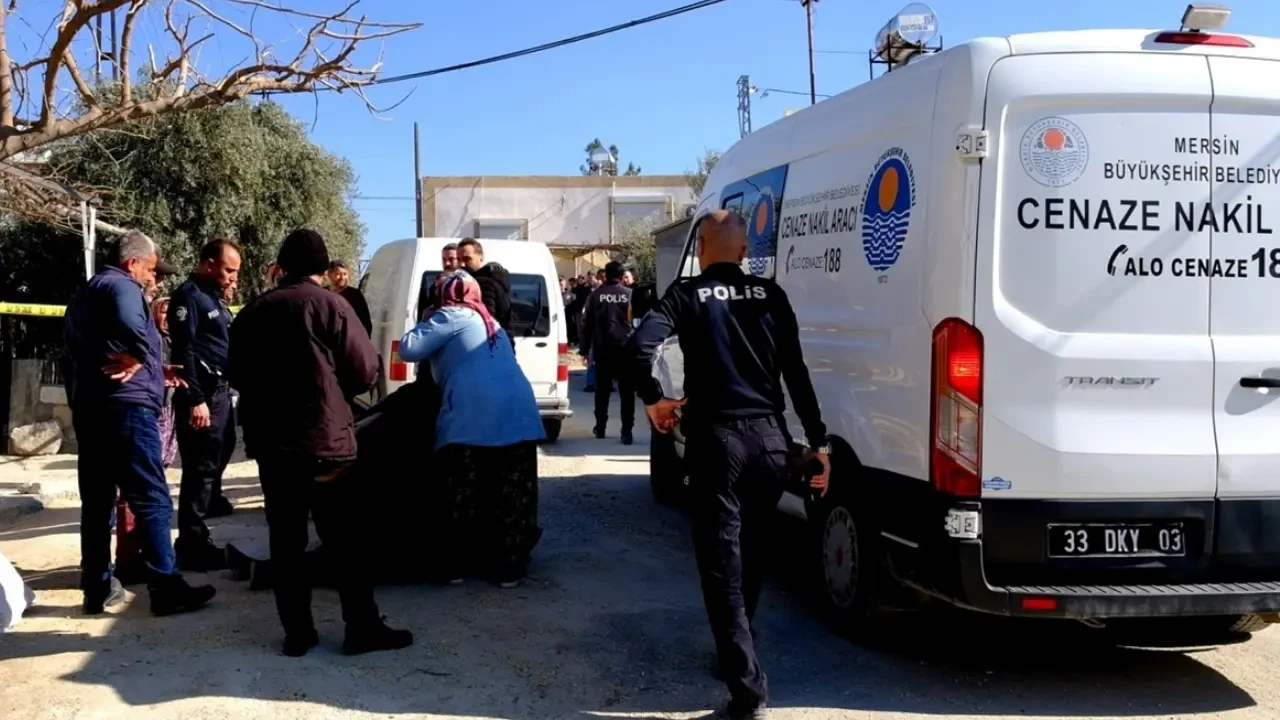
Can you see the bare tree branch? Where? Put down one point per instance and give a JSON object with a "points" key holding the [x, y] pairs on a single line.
{"points": [[323, 57]]}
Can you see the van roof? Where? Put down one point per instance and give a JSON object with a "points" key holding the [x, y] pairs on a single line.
{"points": [[1129, 41], [517, 253]]}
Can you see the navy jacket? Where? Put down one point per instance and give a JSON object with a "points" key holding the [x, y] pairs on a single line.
{"points": [[110, 315], [606, 321], [740, 341], [199, 328]]}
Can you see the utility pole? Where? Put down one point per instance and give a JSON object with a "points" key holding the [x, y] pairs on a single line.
{"points": [[417, 178], [744, 106], [115, 48], [808, 15]]}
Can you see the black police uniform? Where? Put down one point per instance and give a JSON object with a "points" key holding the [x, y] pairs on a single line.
{"points": [[606, 327], [198, 330], [740, 339]]}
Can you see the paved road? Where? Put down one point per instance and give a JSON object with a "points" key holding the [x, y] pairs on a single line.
{"points": [[610, 625]]}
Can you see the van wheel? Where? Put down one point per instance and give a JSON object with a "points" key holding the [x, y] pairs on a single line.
{"points": [[848, 559], [552, 427], [666, 472]]}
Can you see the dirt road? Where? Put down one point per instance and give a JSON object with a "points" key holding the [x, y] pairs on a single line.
{"points": [[610, 625]]}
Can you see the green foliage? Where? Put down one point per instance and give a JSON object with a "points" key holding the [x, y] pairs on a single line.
{"points": [[698, 178], [245, 171], [636, 248], [611, 169]]}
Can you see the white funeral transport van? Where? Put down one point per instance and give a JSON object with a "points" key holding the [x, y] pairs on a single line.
{"points": [[1038, 285], [397, 274]]}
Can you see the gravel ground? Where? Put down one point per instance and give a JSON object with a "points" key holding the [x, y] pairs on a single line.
{"points": [[610, 625]]}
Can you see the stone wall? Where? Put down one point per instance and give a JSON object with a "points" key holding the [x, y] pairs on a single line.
{"points": [[34, 410]]}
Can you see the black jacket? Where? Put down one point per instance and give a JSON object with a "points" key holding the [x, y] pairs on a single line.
{"points": [[353, 295], [199, 328], [740, 340], [298, 356], [606, 321], [495, 291]]}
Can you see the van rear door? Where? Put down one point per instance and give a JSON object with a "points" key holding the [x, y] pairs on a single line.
{"points": [[1097, 365], [1245, 314], [536, 349]]}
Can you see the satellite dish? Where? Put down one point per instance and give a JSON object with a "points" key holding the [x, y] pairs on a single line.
{"points": [[906, 34]]}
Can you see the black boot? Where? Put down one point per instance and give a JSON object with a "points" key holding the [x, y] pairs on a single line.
{"points": [[298, 644], [219, 506], [172, 595], [201, 558], [627, 438], [599, 432], [374, 638], [104, 595]]}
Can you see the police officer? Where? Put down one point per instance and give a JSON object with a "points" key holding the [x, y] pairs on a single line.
{"points": [[740, 339], [606, 327], [198, 328]]}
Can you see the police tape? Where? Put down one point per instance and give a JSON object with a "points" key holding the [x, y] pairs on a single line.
{"points": [[39, 310]]}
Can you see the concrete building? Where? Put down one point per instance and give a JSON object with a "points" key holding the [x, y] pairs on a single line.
{"points": [[580, 217]]}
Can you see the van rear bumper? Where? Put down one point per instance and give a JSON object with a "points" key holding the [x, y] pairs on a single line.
{"points": [[996, 561], [1107, 601], [554, 408]]}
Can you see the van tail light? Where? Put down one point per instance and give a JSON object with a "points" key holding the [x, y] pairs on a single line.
{"points": [[1200, 38], [956, 460], [562, 365], [399, 369]]}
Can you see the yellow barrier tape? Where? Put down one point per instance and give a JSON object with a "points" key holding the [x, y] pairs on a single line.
{"points": [[38, 310], [32, 309]]}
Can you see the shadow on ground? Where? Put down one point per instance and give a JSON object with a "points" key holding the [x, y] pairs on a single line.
{"points": [[610, 623]]}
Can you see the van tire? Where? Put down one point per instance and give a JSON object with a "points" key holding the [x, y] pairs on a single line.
{"points": [[1186, 631], [666, 472], [847, 558], [552, 427]]}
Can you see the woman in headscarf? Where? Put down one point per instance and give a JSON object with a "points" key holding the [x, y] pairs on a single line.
{"points": [[168, 440], [486, 433]]}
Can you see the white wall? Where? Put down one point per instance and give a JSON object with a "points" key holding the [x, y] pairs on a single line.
{"points": [[555, 212]]}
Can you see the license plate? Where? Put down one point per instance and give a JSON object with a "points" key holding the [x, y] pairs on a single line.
{"points": [[1117, 540]]}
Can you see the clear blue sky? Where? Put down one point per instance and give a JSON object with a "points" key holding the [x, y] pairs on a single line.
{"points": [[662, 92]]}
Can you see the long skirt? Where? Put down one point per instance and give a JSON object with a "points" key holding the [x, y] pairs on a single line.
{"points": [[492, 499], [168, 436]]}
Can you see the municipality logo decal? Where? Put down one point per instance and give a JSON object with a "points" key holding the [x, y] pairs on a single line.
{"points": [[1054, 152], [760, 238], [886, 209]]}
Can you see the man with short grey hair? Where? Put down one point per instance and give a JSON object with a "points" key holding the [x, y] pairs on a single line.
{"points": [[117, 389]]}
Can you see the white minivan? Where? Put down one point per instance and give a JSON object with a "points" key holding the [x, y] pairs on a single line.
{"points": [[1034, 277], [397, 274]]}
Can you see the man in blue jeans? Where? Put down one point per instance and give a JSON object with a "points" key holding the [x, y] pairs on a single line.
{"points": [[116, 391]]}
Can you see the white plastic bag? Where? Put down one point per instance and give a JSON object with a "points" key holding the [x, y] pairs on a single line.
{"points": [[15, 596], [668, 368]]}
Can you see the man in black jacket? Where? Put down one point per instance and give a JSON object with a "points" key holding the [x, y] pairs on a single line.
{"points": [[606, 327], [494, 281]]}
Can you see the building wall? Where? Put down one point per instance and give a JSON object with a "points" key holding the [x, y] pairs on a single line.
{"points": [[570, 212]]}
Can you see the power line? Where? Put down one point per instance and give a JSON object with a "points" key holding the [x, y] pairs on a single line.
{"points": [[546, 46]]}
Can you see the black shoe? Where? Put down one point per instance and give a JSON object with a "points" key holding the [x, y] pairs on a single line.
{"points": [[201, 558], [741, 711], [219, 507], [627, 439], [107, 594], [299, 644], [588, 388], [375, 638], [173, 595], [599, 432]]}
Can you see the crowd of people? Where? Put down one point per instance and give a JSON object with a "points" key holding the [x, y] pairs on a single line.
{"points": [[147, 369]]}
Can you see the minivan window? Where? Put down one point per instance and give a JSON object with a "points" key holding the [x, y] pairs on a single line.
{"points": [[530, 306]]}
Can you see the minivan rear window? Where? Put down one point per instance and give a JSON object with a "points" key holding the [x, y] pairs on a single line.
{"points": [[530, 306]]}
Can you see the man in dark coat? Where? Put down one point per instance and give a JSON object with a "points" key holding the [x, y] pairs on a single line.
{"points": [[340, 282], [116, 392], [298, 356], [494, 281], [606, 327]]}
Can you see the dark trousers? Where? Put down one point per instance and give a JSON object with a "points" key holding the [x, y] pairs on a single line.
{"points": [[228, 449], [737, 473], [609, 370], [203, 459], [293, 491], [120, 451]]}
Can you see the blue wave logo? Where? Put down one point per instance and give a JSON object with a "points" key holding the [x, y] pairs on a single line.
{"points": [[760, 225], [886, 209]]}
